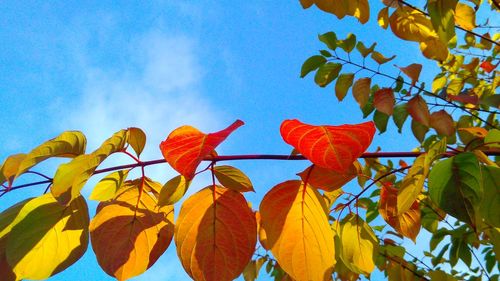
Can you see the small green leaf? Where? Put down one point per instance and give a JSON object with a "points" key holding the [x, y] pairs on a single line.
{"points": [[330, 40], [381, 119], [348, 44], [311, 64], [363, 50], [368, 108], [344, 82], [492, 139], [400, 115], [327, 73], [418, 130], [173, 191], [456, 187], [107, 187], [136, 139], [325, 53], [233, 178]]}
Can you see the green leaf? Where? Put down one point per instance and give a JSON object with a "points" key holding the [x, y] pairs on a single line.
{"points": [[137, 139], [459, 250], [330, 40], [344, 82], [311, 64], [348, 44], [47, 237], [381, 119], [492, 139], [327, 73], [379, 58], [455, 185], [363, 50], [361, 91], [173, 191], [325, 53], [439, 258], [491, 201], [71, 177], [439, 275], [68, 144], [400, 115], [107, 187], [442, 18], [368, 108], [233, 178], [419, 130]]}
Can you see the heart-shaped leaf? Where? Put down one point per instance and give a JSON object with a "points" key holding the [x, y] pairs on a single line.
{"points": [[331, 147], [186, 147]]}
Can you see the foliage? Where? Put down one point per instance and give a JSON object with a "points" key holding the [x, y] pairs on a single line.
{"points": [[307, 228]]}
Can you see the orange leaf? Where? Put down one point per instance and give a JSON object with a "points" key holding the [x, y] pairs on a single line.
{"points": [[298, 233], [442, 122], [417, 108], [331, 147], [215, 235], [408, 223], [413, 71], [465, 98], [128, 240], [488, 66], [329, 180], [383, 100], [186, 146]]}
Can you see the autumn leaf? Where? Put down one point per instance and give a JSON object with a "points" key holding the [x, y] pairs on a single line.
{"points": [[344, 82], [215, 234], [358, 244], [137, 139], [233, 178], [418, 110], [298, 233], [381, 59], [410, 24], [47, 237], [383, 18], [186, 147], [129, 233], [487, 66], [407, 223], [442, 18], [9, 168], [433, 48], [413, 71], [173, 190], [465, 16], [108, 186], [331, 147], [384, 100], [327, 179], [361, 90], [442, 122]]}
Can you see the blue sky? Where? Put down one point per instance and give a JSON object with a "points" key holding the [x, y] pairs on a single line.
{"points": [[99, 67]]}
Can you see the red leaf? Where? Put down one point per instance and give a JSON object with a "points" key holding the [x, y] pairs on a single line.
{"points": [[186, 147], [487, 66], [417, 108], [464, 98], [384, 101], [331, 147]]}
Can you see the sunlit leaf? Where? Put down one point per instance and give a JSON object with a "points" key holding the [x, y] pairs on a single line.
{"points": [[359, 9], [433, 48], [186, 146], [439, 82], [442, 122], [68, 144], [358, 243], [442, 18], [9, 168], [384, 101], [491, 200], [311, 64], [361, 90], [332, 147], [251, 271], [173, 190], [381, 59], [492, 139], [407, 223], [465, 16], [215, 234], [413, 71], [410, 24], [233, 178], [327, 73], [383, 18], [417, 108], [129, 233], [47, 237], [137, 139], [327, 179], [298, 233], [71, 177], [107, 187], [455, 185], [488, 66], [344, 82]]}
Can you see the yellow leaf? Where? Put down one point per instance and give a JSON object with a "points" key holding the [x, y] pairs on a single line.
{"points": [[407, 223], [383, 18], [232, 178], [129, 233], [441, 13], [442, 122], [360, 9], [107, 187], [327, 179], [413, 71], [298, 233], [71, 177], [439, 82], [361, 90], [47, 237], [380, 59], [338, 8], [137, 139], [173, 190], [358, 243], [465, 16], [9, 168], [412, 25], [433, 48], [68, 144], [215, 235]]}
